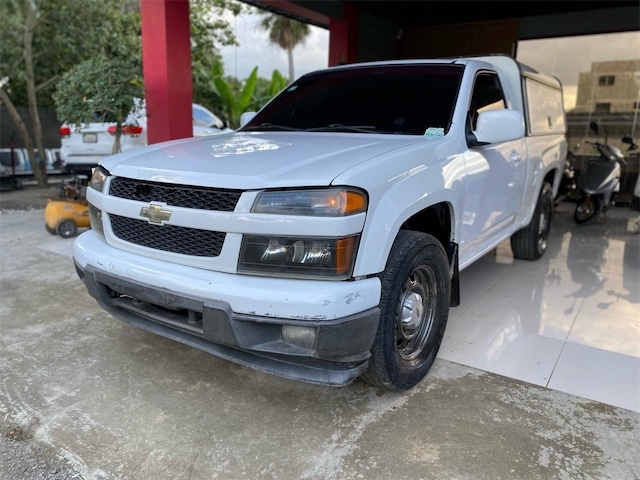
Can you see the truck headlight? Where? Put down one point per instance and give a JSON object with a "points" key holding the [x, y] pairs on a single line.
{"points": [[330, 258], [98, 177], [328, 202]]}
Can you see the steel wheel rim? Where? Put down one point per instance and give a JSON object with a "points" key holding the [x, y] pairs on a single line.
{"points": [[415, 314], [543, 229]]}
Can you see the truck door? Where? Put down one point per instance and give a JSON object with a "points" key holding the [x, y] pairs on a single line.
{"points": [[495, 175]]}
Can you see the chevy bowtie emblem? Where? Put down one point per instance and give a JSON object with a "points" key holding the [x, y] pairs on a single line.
{"points": [[155, 214]]}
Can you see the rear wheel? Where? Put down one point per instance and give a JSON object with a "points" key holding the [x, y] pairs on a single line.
{"points": [[416, 290], [67, 229], [532, 241], [587, 210]]}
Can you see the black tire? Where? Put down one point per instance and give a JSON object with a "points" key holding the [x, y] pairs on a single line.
{"points": [[67, 229], [408, 338], [532, 241], [52, 231], [587, 210]]}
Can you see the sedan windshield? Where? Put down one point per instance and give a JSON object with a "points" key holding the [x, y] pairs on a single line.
{"points": [[396, 99]]}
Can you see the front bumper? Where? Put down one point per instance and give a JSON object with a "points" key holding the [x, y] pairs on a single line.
{"points": [[337, 353]]}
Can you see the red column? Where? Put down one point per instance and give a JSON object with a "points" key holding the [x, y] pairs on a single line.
{"points": [[166, 62], [343, 36]]}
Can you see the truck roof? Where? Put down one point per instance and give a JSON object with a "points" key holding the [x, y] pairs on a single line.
{"points": [[511, 72], [514, 71]]}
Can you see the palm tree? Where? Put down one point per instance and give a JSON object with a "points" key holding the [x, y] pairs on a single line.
{"points": [[286, 33]]}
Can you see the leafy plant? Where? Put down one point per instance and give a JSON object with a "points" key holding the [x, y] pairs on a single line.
{"points": [[238, 97], [210, 29], [278, 83], [234, 104], [267, 89], [98, 90]]}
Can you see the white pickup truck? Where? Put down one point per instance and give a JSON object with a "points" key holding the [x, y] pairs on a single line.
{"points": [[323, 240]]}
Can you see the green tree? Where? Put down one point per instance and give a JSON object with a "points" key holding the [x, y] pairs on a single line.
{"points": [[41, 39], [98, 90], [210, 30], [286, 33]]}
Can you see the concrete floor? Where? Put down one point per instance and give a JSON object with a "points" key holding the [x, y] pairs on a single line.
{"points": [[83, 395]]}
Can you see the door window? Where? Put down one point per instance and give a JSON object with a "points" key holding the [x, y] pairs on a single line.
{"points": [[487, 95]]}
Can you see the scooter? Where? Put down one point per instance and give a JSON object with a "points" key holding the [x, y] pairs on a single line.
{"points": [[600, 180]]}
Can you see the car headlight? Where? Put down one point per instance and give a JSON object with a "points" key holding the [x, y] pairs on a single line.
{"points": [[317, 257], [329, 202], [98, 178]]}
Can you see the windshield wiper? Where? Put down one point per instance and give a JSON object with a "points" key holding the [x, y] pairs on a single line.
{"points": [[338, 127], [271, 126]]}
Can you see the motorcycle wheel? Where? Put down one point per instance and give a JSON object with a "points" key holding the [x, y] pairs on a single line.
{"points": [[587, 210]]}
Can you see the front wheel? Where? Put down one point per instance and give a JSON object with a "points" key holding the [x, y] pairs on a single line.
{"points": [[532, 241], [416, 291], [587, 210]]}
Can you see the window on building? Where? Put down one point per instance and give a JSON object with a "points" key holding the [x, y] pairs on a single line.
{"points": [[603, 107], [636, 105], [606, 80]]}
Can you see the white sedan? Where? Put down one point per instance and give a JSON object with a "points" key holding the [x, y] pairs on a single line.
{"points": [[84, 146]]}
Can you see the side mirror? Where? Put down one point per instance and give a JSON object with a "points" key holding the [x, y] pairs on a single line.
{"points": [[497, 126], [629, 140], [246, 117], [594, 126]]}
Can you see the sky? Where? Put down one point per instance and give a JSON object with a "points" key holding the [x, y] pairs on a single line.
{"points": [[567, 57], [562, 57], [255, 49]]}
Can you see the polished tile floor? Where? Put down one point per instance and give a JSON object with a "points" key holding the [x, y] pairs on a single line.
{"points": [[569, 321]]}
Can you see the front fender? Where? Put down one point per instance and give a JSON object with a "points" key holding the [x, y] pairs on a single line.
{"points": [[406, 197]]}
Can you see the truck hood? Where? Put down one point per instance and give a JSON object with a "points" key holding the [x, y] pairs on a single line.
{"points": [[254, 160]]}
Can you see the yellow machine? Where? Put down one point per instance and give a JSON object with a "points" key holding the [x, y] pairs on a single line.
{"points": [[65, 215]]}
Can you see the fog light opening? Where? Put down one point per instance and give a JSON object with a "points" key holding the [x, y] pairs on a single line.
{"points": [[95, 219], [303, 337]]}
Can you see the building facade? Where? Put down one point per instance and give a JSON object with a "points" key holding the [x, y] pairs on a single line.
{"points": [[610, 87]]}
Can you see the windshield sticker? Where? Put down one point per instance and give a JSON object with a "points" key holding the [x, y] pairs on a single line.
{"points": [[434, 132]]}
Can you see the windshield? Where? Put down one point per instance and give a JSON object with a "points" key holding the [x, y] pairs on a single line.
{"points": [[396, 99]]}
